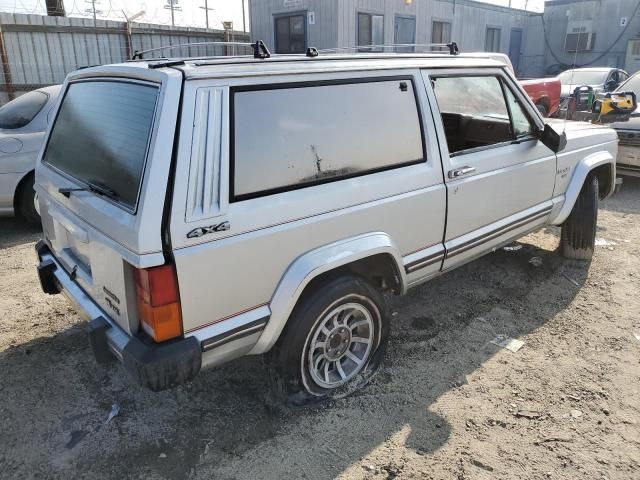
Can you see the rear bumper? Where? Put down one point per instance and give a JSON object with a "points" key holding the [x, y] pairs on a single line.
{"points": [[155, 366]]}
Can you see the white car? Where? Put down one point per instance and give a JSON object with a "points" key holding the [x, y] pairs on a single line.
{"points": [[199, 210], [628, 162], [23, 122], [600, 79]]}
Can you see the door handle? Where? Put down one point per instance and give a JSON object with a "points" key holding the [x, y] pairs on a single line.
{"points": [[461, 172]]}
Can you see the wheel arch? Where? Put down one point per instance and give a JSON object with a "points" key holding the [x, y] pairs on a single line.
{"points": [[603, 165], [20, 185], [373, 256]]}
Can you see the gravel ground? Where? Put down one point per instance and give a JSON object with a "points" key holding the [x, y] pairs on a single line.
{"points": [[448, 404]]}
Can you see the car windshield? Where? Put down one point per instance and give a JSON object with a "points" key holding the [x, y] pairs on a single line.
{"points": [[582, 77], [19, 112], [633, 85], [100, 136]]}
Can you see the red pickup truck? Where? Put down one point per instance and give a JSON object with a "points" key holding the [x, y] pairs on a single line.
{"points": [[545, 93]]}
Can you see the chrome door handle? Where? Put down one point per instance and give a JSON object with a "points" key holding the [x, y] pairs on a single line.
{"points": [[460, 172]]}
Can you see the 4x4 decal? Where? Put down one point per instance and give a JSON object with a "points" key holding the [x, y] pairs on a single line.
{"points": [[199, 232]]}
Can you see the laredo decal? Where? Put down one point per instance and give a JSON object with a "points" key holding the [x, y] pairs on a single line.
{"points": [[199, 232]]}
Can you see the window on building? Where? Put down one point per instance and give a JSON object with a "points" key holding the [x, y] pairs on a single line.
{"points": [[635, 47], [440, 33], [312, 134], [492, 40], [291, 33], [579, 40], [474, 112], [370, 31]]}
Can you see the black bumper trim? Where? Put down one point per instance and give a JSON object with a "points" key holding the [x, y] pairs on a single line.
{"points": [[160, 366]]}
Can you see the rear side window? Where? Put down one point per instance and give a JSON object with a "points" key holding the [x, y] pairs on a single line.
{"points": [[298, 135], [101, 135], [18, 113]]}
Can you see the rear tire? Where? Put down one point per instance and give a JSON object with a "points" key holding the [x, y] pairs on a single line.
{"points": [[578, 236], [333, 343], [542, 109], [26, 198]]}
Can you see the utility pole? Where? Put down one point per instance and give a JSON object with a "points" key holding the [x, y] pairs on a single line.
{"points": [[244, 23], [171, 4], [206, 11]]}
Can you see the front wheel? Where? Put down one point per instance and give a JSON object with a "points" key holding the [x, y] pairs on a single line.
{"points": [[333, 343], [578, 236]]}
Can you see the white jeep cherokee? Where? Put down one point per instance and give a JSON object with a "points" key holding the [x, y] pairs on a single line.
{"points": [[199, 210]]}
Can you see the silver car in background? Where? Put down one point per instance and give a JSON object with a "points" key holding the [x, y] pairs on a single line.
{"points": [[601, 79], [23, 122], [628, 161]]}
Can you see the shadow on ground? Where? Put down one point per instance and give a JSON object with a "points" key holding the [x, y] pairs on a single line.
{"points": [[54, 400]]}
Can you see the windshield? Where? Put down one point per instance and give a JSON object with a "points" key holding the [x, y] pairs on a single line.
{"points": [[582, 77], [100, 136], [19, 112], [633, 85]]}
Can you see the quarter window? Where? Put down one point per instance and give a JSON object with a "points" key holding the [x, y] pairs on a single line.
{"points": [[293, 137], [522, 126], [492, 40], [474, 111], [370, 32], [19, 112], [291, 34]]}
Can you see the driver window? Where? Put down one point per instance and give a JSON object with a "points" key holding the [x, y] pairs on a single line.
{"points": [[474, 111]]}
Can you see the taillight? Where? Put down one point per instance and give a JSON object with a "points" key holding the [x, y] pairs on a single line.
{"points": [[158, 302]]}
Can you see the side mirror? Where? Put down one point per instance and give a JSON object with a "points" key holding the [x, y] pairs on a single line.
{"points": [[553, 140]]}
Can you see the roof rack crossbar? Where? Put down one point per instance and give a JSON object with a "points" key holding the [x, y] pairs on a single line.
{"points": [[260, 49], [452, 47]]}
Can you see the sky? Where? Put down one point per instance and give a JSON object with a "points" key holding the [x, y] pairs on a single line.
{"points": [[188, 13]]}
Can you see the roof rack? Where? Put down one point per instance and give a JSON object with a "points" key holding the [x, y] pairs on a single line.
{"points": [[452, 47], [260, 49]]}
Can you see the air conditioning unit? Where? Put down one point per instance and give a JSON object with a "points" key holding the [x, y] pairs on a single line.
{"points": [[579, 41]]}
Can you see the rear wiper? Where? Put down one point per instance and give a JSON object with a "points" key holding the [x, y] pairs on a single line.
{"points": [[91, 186]]}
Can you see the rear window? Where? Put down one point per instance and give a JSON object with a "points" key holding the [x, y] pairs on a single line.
{"points": [[19, 112], [101, 134]]}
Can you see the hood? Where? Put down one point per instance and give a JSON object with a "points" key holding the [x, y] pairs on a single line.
{"points": [[632, 124]]}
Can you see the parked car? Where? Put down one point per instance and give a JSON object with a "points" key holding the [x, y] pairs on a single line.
{"points": [[23, 122], [601, 79], [196, 211], [628, 161], [544, 92]]}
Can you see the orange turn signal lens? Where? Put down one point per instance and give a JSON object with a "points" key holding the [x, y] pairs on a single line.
{"points": [[159, 302]]}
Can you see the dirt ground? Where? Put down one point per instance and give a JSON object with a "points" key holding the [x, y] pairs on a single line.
{"points": [[448, 404]]}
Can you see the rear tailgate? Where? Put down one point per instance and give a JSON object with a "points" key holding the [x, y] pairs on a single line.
{"points": [[102, 179]]}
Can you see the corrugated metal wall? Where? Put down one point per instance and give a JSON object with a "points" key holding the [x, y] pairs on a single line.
{"points": [[37, 50], [612, 21], [336, 23], [321, 34]]}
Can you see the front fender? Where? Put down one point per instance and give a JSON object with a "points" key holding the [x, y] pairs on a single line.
{"points": [[582, 170], [314, 263]]}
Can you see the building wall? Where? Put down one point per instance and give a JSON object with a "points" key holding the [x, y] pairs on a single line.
{"points": [[322, 34], [604, 18], [336, 23]]}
